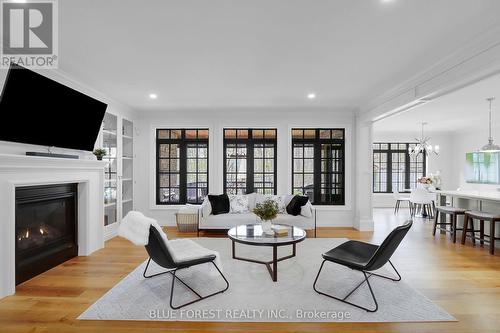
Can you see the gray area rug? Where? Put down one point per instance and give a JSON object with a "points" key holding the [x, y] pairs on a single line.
{"points": [[253, 297]]}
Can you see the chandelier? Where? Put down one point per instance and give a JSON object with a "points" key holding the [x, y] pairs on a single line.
{"points": [[423, 145]]}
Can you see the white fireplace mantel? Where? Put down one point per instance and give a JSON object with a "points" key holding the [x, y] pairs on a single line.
{"points": [[20, 170]]}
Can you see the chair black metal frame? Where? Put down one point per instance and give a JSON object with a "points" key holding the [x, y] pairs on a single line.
{"points": [[159, 253], [365, 257]]}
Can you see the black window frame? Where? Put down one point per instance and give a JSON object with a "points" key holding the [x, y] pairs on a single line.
{"points": [[409, 161], [183, 142], [317, 142], [250, 143]]}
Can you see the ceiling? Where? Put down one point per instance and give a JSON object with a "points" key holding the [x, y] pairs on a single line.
{"points": [[463, 109], [259, 53]]}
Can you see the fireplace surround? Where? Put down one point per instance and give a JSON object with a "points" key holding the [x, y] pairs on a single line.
{"points": [[18, 171]]}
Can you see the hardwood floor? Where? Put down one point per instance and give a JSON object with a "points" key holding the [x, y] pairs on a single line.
{"points": [[464, 280]]}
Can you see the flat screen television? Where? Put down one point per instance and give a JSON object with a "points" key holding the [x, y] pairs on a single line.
{"points": [[37, 110]]}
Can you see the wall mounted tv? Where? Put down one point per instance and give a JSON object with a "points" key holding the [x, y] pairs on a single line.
{"points": [[37, 110]]}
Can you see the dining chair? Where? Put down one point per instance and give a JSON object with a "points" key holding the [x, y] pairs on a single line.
{"points": [[399, 198], [421, 199]]}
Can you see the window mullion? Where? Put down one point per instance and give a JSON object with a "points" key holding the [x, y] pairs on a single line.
{"points": [[317, 173], [407, 167], [250, 167], [389, 171], [183, 173]]}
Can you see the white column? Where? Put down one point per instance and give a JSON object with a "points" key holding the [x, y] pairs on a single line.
{"points": [[363, 220]]}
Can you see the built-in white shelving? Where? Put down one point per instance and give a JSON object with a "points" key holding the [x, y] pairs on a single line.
{"points": [[127, 182], [117, 137]]}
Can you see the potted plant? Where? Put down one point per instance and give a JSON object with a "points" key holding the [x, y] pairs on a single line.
{"points": [[266, 211], [99, 153]]}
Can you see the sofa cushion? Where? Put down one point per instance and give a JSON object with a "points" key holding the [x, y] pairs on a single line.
{"points": [[251, 200], [206, 207], [306, 223], [306, 210], [295, 205], [278, 199], [219, 203], [238, 203], [227, 221]]}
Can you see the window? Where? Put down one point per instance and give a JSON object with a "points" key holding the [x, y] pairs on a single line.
{"points": [[393, 168], [182, 166], [318, 165], [249, 161]]}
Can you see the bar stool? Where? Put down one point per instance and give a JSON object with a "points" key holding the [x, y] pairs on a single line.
{"points": [[454, 213], [481, 216]]}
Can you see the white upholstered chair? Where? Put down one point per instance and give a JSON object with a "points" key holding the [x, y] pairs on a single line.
{"points": [[421, 198], [399, 198]]}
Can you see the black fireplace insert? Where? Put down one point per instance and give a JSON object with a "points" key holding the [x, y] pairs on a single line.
{"points": [[46, 228]]}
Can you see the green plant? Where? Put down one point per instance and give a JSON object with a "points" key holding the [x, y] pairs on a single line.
{"points": [[99, 152], [267, 210]]}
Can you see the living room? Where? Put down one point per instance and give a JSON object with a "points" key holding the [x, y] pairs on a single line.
{"points": [[250, 165]]}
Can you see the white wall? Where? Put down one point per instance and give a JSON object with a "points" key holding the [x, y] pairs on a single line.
{"points": [[216, 120], [61, 77], [442, 162]]}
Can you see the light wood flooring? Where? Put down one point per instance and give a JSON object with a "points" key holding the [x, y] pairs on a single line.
{"points": [[464, 280]]}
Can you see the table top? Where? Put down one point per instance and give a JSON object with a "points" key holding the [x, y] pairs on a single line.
{"points": [[473, 194], [252, 234]]}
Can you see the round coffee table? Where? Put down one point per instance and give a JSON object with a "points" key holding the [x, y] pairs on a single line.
{"points": [[252, 234]]}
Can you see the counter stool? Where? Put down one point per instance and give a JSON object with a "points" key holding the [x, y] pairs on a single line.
{"points": [[481, 216], [453, 212]]}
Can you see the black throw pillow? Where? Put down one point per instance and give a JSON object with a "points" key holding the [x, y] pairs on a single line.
{"points": [[219, 203], [293, 208]]}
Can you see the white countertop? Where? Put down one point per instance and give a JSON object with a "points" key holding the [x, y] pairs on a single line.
{"points": [[473, 194]]}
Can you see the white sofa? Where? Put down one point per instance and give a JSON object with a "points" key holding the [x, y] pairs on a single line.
{"points": [[232, 219]]}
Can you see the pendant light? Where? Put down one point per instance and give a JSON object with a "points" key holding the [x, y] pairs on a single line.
{"points": [[490, 147]]}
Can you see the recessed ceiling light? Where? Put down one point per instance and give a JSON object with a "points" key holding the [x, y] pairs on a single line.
{"points": [[386, 1], [311, 95], [153, 96]]}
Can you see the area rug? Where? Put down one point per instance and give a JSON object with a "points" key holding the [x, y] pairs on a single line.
{"points": [[253, 297]]}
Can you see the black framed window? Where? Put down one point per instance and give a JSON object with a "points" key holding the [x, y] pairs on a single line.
{"points": [[318, 164], [249, 160], [394, 168], [182, 166]]}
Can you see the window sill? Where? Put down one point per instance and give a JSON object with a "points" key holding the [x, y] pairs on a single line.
{"points": [[172, 207]]}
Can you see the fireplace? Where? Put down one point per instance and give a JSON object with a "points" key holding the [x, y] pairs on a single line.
{"points": [[45, 229]]}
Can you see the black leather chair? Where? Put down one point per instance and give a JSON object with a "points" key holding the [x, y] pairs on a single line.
{"points": [[159, 253], [365, 257]]}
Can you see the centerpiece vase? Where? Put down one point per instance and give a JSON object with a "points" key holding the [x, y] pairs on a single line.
{"points": [[267, 227]]}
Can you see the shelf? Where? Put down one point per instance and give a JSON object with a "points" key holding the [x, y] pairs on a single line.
{"points": [[110, 204], [127, 158], [127, 179], [127, 137], [109, 132], [127, 200]]}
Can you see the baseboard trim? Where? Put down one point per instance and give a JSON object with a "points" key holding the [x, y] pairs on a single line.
{"points": [[364, 225], [111, 231]]}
